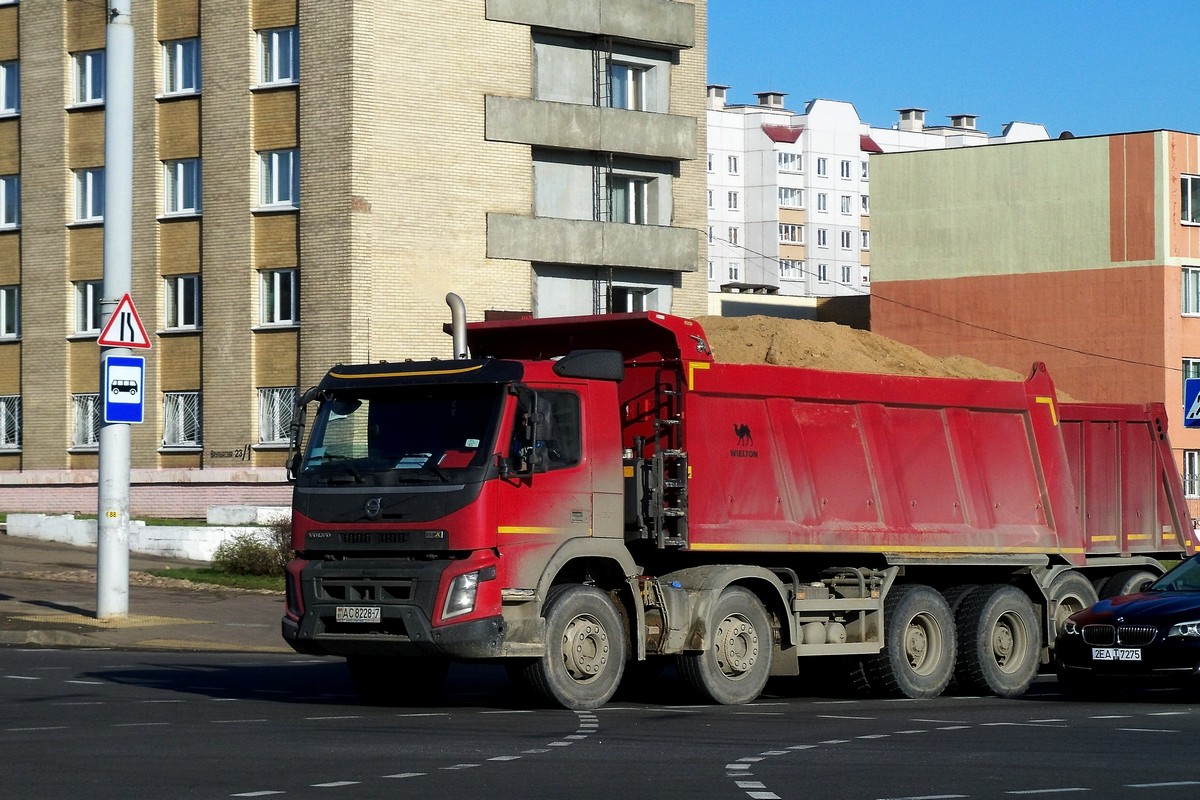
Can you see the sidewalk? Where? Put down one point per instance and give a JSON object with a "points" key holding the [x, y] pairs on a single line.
{"points": [[48, 598]]}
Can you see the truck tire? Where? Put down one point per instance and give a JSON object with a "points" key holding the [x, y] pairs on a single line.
{"points": [[737, 662], [585, 650], [1128, 581], [1072, 592], [385, 681], [1000, 641], [917, 659]]}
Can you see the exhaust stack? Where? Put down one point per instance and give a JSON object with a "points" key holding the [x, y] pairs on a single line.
{"points": [[458, 325]]}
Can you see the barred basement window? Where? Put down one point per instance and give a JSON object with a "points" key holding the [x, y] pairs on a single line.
{"points": [[85, 431], [181, 419], [275, 414], [10, 422]]}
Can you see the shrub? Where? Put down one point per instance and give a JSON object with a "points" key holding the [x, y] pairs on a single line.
{"points": [[256, 553]]}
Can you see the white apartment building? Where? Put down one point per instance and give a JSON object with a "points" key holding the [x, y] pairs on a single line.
{"points": [[789, 204]]}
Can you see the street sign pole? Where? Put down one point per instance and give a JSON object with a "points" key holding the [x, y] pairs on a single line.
{"points": [[112, 521]]}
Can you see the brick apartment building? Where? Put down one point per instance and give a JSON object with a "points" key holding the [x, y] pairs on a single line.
{"points": [[1081, 252], [310, 180]]}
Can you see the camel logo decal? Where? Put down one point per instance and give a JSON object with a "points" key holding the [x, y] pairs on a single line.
{"points": [[745, 438]]}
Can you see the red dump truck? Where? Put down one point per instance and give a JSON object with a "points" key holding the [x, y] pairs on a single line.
{"points": [[573, 497]]}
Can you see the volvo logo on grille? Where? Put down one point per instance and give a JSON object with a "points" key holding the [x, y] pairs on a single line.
{"points": [[372, 507]]}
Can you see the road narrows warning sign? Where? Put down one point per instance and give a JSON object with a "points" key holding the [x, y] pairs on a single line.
{"points": [[124, 328]]}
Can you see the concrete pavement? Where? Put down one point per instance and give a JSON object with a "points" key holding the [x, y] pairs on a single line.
{"points": [[48, 598]]}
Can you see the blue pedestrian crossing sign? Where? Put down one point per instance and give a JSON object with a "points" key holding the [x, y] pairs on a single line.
{"points": [[122, 389], [1191, 402]]}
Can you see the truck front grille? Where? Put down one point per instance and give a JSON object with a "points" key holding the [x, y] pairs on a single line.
{"points": [[396, 590]]}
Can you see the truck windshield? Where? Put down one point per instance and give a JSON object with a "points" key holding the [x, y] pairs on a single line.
{"points": [[442, 434]]}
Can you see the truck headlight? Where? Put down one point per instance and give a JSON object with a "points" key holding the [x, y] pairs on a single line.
{"points": [[460, 597], [1185, 630]]}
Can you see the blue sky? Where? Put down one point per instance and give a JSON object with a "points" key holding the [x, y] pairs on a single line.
{"points": [[1086, 67]]}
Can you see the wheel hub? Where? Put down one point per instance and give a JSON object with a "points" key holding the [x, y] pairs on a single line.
{"points": [[585, 648], [737, 646]]}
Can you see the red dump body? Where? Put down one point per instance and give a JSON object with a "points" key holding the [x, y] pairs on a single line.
{"points": [[784, 459]]}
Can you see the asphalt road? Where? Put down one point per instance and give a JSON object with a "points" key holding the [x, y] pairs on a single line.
{"points": [[117, 724]]}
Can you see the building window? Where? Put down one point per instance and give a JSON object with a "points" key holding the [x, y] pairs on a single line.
{"points": [[89, 195], [866, 170], [279, 293], [733, 201], [790, 233], [790, 197], [846, 170], [711, 274], [823, 273], [278, 56], [735, 271], [87, 307], [10, 88], [710, 234], [866, 204], [1191, 290], [85, 428], [822, 201], [822, 237], [710, 198], [790, 162], [847, 240], [10, 422], [1191, 369], [10, 312], [845, 204], [628, 198], [846, 274], [181, 186], [626, 299], [89, 77], [791, 268], [866, 240], [733, 235], [1191, 472], [733, 165], [1189, 196], [628, 83], [181, 302], [10, 201], [181, 66], [275, 414], [822, 166], [181, 419], [279, 178]]}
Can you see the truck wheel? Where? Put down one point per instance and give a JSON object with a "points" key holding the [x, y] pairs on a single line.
{"points": [[397, 681], [585, 650], [1128, 581], [917, 659], [735, 667], [1073, 592], [999, 641]]}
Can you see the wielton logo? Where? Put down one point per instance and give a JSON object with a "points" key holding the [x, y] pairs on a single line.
{"points": [[743, 433], [745, 439]]}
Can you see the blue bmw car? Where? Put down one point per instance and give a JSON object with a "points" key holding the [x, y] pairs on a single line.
{"points": [[1150, 637]]}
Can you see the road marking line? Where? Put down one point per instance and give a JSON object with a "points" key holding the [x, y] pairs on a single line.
{"points": [[1147, 730], [1112, 716], [561, 744], [536, 750], [228, 721], [86, 683], [140, 724], [1050, 791], [750, 784], [322, 719], [929, 797], [334, 784], [834, 741], [22, 678], [873, 736], [503, 758], [737, 766], [839, 716], [27, 730], [1161, 785], [460, 766], [406, 775], [763, 795], [256, 794]]}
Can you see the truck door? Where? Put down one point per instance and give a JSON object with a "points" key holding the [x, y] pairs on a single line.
{"points": [[547, 497]]}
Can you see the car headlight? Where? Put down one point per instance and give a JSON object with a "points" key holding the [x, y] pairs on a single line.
{"points": [[1070, 628], [1185, 630], [460, 598]]}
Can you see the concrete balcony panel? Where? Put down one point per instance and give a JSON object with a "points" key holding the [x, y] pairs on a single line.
{"points": [[654, 21], [604, 244], [579, 127]]}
